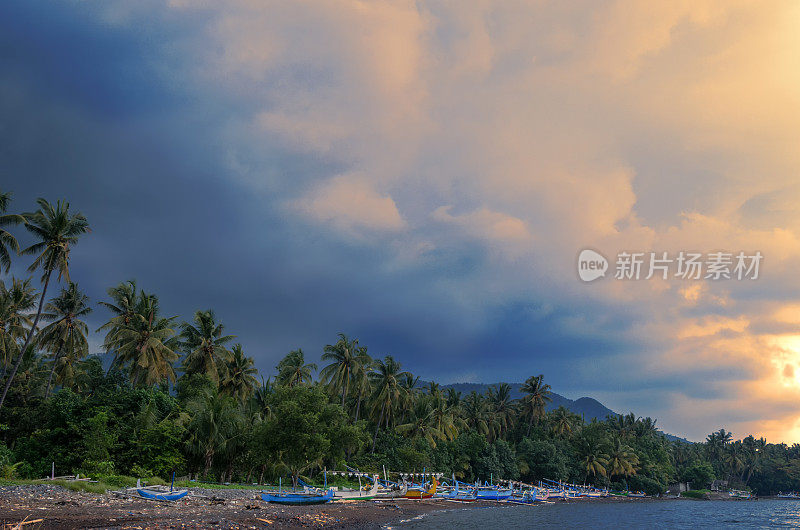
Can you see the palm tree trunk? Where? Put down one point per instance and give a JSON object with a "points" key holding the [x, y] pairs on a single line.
{"points": [[346, 382], [358, 407], [209, 460], [53, 370], [380, 419], [28, 340]]}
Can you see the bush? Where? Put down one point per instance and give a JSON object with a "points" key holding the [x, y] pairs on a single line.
{"points": [[694, 494]]}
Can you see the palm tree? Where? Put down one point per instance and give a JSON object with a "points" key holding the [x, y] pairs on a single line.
{"points": [[422, 423], [15, 302], [261, 401], [7, 241], [622, 460], [66, 334], [446, 420], [293, 370], [240, 381], [56, 231], [216, 421], [338, 374], [388, 391], [204, 344], [453, 397], [502, 406], [475, 413], [563, 422], [536, 398], [593, 459], [124, 300], [716, 442], [362, 373], [145, 341]]}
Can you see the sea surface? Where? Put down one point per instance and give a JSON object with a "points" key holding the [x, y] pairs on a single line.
{"points": [[635, 514]]}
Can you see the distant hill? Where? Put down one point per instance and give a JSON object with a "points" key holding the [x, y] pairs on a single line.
{"points": [[588, 407]]}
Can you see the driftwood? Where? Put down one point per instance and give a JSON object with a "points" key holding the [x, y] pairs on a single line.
{"points": [[17, 526]]}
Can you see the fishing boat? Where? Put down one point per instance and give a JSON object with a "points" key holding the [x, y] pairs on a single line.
{"points": [[297, 499], [160, 493], [491, 493], [637, 494], [790, 495], [739, 494], [457, 493], [419, 492], [393, 491], [592, 493], [363, 494]]}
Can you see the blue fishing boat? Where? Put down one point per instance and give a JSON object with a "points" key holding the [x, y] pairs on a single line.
{"points": [[297, 499], [159, 495], [493, 494]]}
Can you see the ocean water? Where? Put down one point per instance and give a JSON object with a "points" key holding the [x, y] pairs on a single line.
{"points": [[635, 514]]}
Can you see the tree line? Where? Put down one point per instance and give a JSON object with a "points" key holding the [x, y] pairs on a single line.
{"points": [[184, 396]]}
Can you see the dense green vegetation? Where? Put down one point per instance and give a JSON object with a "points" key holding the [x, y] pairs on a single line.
{"points": [[183, 396]]}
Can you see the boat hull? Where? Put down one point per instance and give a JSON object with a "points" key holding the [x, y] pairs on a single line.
{"points": [[417, 493], [494, 495], [296, 499], [162, 495]]}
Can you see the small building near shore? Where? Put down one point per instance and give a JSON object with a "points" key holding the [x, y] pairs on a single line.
{"points": [[678, 487], [719, 485]]}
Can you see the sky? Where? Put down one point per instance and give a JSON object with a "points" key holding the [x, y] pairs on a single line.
{"points": [[423, 175]]}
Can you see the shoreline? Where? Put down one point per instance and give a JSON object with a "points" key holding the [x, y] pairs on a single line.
{"points": [[230, 508]]}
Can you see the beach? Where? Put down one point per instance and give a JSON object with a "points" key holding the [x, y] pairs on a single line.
{"points": [[58, 507]]}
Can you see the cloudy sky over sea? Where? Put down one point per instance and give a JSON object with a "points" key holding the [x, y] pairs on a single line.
{"points": [[422, 176]]}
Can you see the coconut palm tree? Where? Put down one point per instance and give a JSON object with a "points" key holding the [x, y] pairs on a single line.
{"points": [[564, 422], [293, 370], [15, 303], [123, 306], [344, 357], [204, 344], [240, 381], [475, 413], [422, 424], [66, 334], [537, 396], [362, 383], [502, 407], [593, 459], [622, 460], [215, 422], [7, 241], [56, 231], [387, 391], [453, 397], [446, 420], [261, 402], [145, 341]]}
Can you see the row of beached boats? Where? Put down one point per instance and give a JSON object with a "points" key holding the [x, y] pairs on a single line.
{"points": [[454, 490]]}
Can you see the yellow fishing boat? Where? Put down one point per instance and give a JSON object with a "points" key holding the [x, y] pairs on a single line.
{"points": [[419, 493]]}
